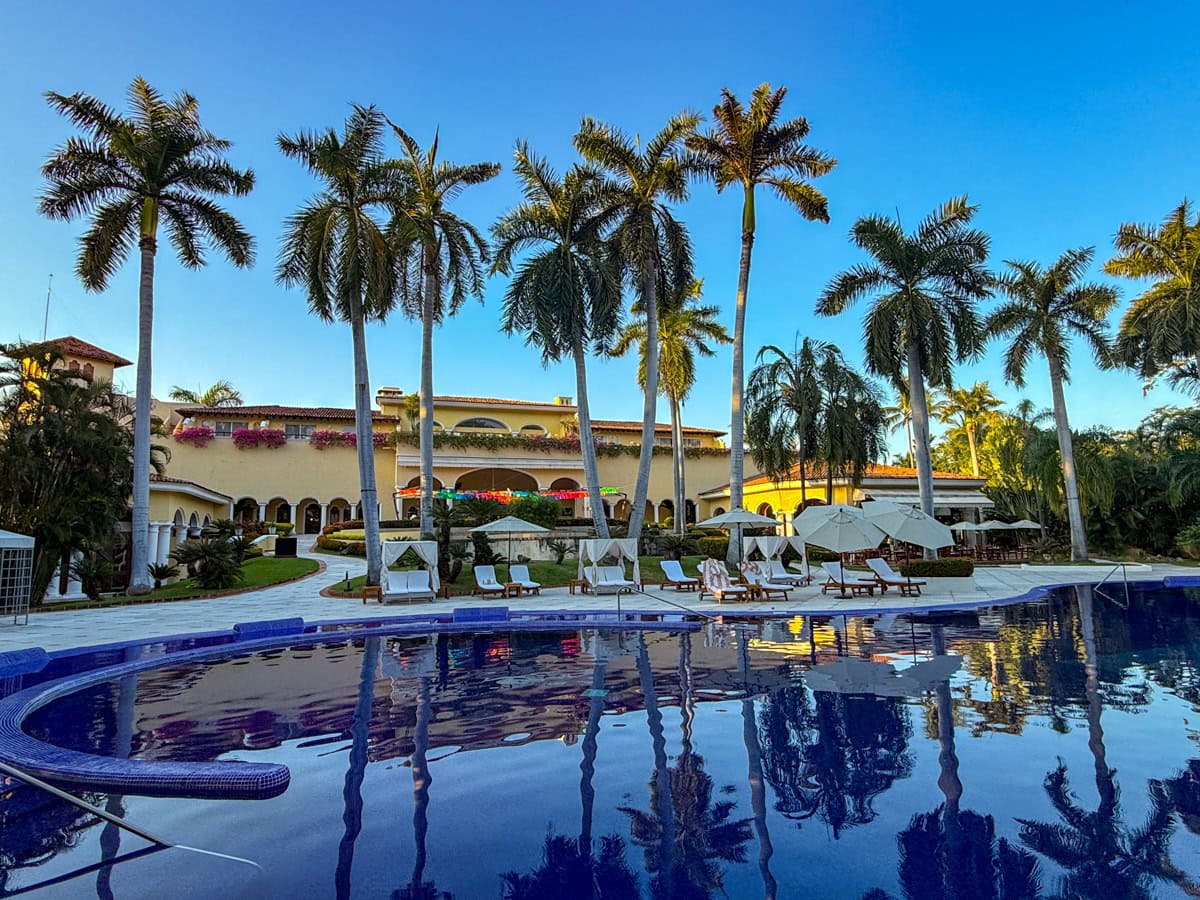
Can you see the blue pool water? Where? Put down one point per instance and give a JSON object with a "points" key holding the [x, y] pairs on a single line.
{"points": [[1043, 749]]}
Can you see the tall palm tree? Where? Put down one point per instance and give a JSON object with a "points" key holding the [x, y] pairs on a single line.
{"points": [[652, 245], [126, 172], [218, 394], [968, 409], [338, 252], [684, 331], [1045, 307], [566, 295], [899, 415], [446, 263], [749, 147], [924, 284], [1162, 326], [812, 404]]}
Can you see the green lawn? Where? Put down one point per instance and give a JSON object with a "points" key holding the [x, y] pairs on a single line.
{"points": [[546, 572], [260, 572]]}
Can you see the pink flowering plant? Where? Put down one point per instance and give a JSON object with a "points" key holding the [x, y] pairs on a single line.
{"points": [[325, 438], [245, 438], [196, 435]]}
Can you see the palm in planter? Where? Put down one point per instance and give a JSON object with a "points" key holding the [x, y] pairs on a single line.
{"points": [[339, 254], [160, 572], [127, 173]]}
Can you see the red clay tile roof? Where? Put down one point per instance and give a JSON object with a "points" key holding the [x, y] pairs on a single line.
{"points": [[329, 413], [502, 402], [626, 425], [76, 347], [167, 479]]}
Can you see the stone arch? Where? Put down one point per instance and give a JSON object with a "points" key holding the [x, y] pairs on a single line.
{"points": [[689, 511], [415, 482], [308, 516], [666, 508], [89, 371], [765, 509], [245, 509], [621, 511], [532, 430], [481, 423], [719, 511], [496, 479], [570, 507], [180, 528], [279, 509], [339, 510]]}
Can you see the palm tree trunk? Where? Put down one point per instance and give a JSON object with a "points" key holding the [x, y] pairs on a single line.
{"points": [[1087, 631], [587, 444], [664, 802], [737, 423], [1066, 449], [352, 789], [754, 775], [364, 438], [649, 401], [428, 310], [421, 781], [912, 442], [919, 407], [677, 472], [139, 578], [970, 428], [587, 766]]}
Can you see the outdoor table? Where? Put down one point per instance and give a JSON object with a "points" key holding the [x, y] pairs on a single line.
{"points": [[580, 583], [512, 589]]}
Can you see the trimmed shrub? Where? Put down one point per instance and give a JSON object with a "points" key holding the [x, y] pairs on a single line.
{"points": [[950, 567], [713, 547], [544, 511]]}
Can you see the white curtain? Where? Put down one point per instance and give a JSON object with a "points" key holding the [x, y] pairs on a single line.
{"points": [[622, 548], [426, 551], [800, 547], [770, 545]]}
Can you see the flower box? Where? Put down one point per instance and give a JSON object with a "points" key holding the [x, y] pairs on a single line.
{"points": [[245, 438], [196, 435]]}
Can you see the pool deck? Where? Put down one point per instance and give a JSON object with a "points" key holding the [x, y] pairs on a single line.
{"points": [[91, 627]]}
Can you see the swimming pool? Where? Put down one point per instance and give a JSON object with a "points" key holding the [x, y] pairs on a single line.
{"points": [[1027, 750]]}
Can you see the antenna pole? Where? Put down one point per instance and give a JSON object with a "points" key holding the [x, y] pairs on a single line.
{"points": [[46, 319]]}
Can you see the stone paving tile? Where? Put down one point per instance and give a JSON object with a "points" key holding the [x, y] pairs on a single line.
{"points": [[63, 630]]}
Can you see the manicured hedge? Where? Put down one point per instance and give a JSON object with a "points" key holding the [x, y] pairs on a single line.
{"points": [[951, 567], [713, 547]]}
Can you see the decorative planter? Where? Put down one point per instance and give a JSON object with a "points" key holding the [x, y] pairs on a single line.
{"points": [[285, 546]]}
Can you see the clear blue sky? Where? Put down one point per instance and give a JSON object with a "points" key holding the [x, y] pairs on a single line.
{"points": [[1061, 124]]}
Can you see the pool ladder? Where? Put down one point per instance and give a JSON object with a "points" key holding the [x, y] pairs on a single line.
{"points": [[1124, 580]]}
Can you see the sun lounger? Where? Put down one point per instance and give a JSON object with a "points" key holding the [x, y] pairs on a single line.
{"points": [[673, 576], [754, 578], [486, 584], [716, 581], [777, 573], [608, 580], [888, 577], [520, 575], [837, 578], [804, 570], [407, 585]]}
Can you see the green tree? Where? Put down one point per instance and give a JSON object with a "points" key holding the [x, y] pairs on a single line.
{"points": [[812, 405], [1044, 309], [652, 245], [218, 394], [899, 415], [565, 296], [924, 285], [685, 329], [336, 250], [969, 410], [1161, 328], [446, 260], [65, 456], [125, 173], [748, 147]]}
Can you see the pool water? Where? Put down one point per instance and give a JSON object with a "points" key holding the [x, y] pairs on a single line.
{"points": [[1035, 750]]}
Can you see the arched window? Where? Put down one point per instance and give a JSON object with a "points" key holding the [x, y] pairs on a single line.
{"points": [[764, 509], [88, 371], [482, 422], [73, 365], [532, 430]]}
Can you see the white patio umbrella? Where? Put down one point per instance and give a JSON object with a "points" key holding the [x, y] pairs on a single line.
{"points": [[843, 532], [811, 517], [908, 524], [510, 525], [1026, 524], [964, 526], [738, 518]]}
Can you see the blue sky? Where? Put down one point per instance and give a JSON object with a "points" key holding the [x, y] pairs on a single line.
{"points": [[1060, 123]]}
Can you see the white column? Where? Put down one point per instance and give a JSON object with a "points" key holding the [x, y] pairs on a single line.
{"points": [[74, 585], [164, 542], [52, 592], [324, 514], [587, 507], [657, 515], [262, 512], [181, 533]]}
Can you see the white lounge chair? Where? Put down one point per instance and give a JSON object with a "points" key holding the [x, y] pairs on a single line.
{"points": [[486, 584], [716, 582], [408, 585], [837, 578], [673, 575], [753, 575], [803, 569], [608, 580], [888, 577], [520, 575], [778, 573]]}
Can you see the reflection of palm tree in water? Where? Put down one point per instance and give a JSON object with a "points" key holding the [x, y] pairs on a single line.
{"points": [[754, 774], [1100, 855], [352, 790], [686, 834], [110, 836], [418, 888]]}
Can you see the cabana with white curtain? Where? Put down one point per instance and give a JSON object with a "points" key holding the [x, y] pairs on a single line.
{"points": [[622, 549], [413, 584]]}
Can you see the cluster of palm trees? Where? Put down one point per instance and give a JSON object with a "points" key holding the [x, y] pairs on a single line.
{"points": [[381, 234]]}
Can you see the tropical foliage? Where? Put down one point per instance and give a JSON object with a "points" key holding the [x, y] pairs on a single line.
{"points": [[968, 411], [218, 394]]}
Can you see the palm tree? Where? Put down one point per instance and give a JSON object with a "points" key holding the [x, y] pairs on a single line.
{"points": [[1045, 307], [684, 330], [749, 147], [125, 173], [925, 285], [566, 295], [444, 253], [812, 404], [219, 394], [968, 409], [652, 245], [335, 249], [899, 415], [1162, 326]]}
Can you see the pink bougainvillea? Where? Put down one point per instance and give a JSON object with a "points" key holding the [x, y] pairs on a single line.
{"points": [[196, 435], [245, 438], [325, 438]]}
